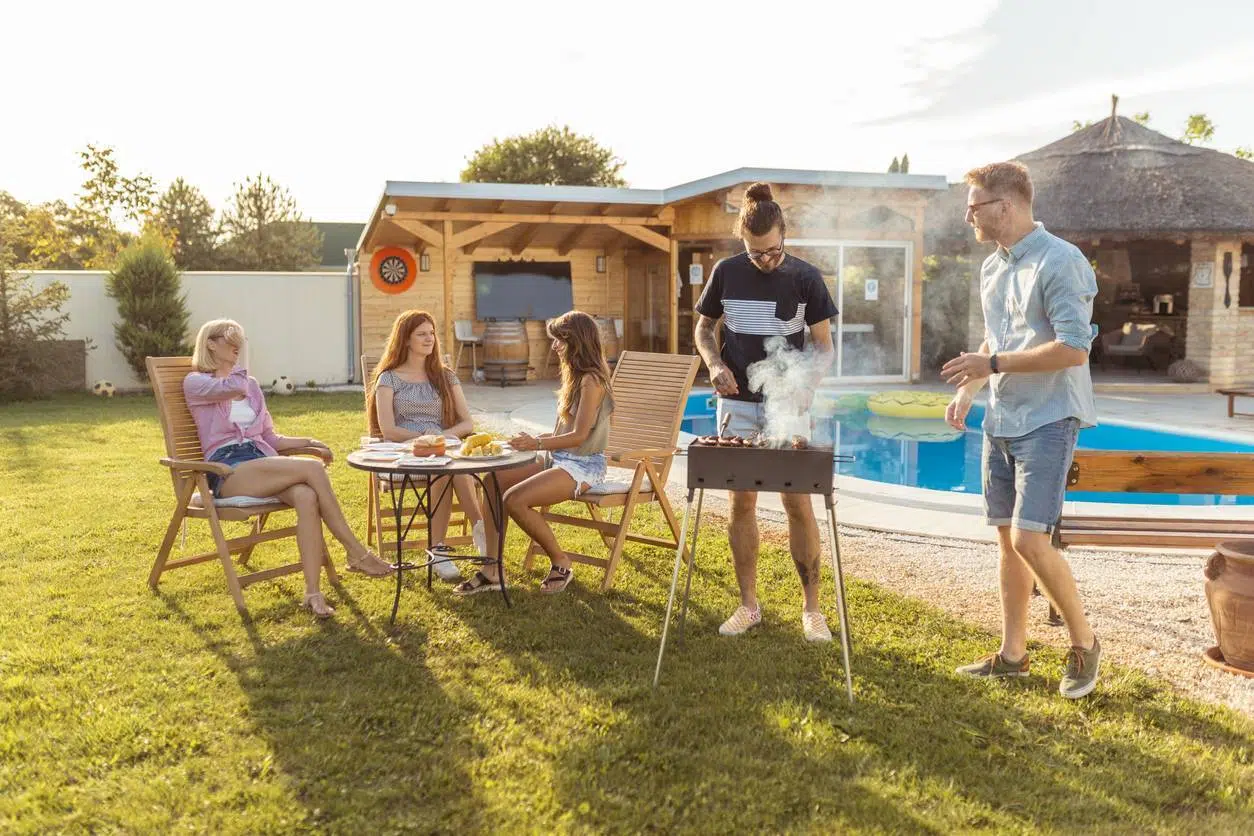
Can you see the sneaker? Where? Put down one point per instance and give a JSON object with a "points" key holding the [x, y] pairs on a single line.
{"points": [[741, 620], [814, 625], [1080, 676], [995, 666], [447, 570], [481, 539]]}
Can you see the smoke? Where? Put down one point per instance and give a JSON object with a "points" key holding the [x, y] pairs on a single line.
{"points": [[787, 380]]}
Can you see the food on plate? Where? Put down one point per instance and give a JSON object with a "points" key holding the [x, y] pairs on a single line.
{"points": [[474, 441], [429, 445], [492, 448]]}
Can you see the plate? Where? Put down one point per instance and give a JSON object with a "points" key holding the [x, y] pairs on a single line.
{"points": [[389, 447], [379, 456], [422, 461], [504, 454]]}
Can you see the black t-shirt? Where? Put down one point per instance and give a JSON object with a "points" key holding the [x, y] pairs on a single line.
{"points": [[756, 305]]}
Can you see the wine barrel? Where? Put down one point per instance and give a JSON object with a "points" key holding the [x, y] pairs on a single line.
{"points": [[505, 351], [609, 339]]}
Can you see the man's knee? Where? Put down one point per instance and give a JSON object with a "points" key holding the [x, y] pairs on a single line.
{"points": [[1032, 546], [744, 503], [798, 507]]}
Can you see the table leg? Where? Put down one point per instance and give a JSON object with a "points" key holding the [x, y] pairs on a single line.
{"points": [[670, 602]]}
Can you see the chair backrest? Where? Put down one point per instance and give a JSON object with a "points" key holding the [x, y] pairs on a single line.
{"points": [[181, 439], [650, 393], [463, 329], [368, 363]]}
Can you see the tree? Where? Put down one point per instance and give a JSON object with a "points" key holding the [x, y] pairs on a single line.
{"points": [[153, 312], [895, 166], [1141, 118], [905, 163], [1245, 152], [28, 318], [184, 218], [550, 156], [107, 193], [265, 231], [1198, 128]]}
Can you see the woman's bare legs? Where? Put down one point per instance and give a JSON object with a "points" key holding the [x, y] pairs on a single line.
{"points": [[506, 479], [309, 543], [541, 490], [440, 493], [466, 497], [274, 474]]}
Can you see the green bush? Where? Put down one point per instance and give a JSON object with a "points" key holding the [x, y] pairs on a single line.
{"points": [[152, 309], [28, 318]]}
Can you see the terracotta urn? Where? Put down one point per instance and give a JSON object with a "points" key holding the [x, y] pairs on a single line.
{"points": [[1230, 593]]}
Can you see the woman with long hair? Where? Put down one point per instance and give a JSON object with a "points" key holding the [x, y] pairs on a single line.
{"points": [[413, 393], [235, 429], [570, 462]]}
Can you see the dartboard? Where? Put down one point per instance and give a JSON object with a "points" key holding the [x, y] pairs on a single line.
{"points": [[392, 270]]}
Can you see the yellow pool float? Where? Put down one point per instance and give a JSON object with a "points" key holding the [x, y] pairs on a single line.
{"points": [[911, 429], [901, 404]]}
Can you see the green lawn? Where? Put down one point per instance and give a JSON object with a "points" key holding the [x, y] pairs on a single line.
{"points": [[127, 711]]}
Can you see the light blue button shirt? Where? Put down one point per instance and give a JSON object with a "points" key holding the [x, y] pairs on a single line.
{"points": [[1039, 291]]}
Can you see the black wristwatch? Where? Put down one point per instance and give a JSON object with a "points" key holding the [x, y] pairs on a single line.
{"points": [[992, 362]]}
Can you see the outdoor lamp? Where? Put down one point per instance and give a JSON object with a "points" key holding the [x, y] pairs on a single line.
{"points": [[600, 264], [424, 262]]}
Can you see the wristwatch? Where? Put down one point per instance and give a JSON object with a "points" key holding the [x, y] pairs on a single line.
{"points": [[992, 363]]}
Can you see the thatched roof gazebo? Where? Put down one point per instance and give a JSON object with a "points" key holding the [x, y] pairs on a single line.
{"points": [[1168, 225]]}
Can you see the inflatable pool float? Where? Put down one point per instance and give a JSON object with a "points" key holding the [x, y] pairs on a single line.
{"points": [[900, 404], [846, 403], [911, 429]]}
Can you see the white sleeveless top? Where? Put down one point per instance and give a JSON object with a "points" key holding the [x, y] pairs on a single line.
{"points": [[242, 414]]}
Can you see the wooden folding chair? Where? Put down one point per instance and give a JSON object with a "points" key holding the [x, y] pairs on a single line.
{"points": [[650, 392], [380, 519], [186, 462]]}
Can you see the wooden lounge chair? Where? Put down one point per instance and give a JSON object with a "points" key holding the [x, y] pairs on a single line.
{"points": [[1233, 394], [186, 462], [650, 392], [381, 514]]}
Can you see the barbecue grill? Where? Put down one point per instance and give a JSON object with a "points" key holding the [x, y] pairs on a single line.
{"points": [[773, 466]]}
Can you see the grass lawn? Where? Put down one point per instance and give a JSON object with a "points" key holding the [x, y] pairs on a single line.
{"points": [[127, 711]]}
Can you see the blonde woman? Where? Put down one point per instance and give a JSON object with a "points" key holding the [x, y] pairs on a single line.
{"points": [[235, 429], [413, 393], [571, 460]]}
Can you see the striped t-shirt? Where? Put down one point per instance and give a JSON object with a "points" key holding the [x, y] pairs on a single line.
{"points": [[755, 305]]}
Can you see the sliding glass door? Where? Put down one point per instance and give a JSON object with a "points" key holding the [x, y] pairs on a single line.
{"points": [[871, 283]]}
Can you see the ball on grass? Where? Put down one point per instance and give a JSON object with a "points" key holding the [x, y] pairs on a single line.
{"points": [[103, 389], [283, 385]]}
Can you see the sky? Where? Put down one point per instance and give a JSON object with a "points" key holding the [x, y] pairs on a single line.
{"points": [[333, 99]]}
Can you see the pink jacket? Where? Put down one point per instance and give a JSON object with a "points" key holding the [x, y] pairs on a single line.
{"points": [[209, 400]]}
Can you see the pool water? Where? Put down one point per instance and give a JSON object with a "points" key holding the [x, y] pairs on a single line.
{"points": [[926, 453]]}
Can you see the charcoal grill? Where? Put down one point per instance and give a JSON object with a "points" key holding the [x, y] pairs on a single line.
{"points": [[754, 466]]}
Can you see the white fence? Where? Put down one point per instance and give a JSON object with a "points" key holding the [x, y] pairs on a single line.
{"points": [[298, 324]]}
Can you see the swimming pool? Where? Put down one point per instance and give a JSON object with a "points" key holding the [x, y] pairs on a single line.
{"points": [[926, 453]]}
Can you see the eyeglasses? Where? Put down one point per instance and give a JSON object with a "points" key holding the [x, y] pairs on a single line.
{"points": [[758, 255], [972, 207]]}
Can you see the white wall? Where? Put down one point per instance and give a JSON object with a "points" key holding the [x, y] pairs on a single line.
{"points": [[297, 323]]}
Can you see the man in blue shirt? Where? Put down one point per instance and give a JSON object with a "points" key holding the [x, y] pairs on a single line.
{"points": [[1037, 294]]}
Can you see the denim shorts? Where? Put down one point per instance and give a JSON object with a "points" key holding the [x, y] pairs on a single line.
{"points": [[1025, 477], [231, 455], [589, 469]]}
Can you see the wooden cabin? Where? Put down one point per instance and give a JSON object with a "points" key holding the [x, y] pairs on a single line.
{"points": [[485, 252]]}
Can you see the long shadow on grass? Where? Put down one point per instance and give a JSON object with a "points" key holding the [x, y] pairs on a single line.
{"points": [[756, 732], [366, 736]]}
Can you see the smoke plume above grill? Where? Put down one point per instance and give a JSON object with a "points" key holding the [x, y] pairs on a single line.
{"points": [[787, 380]]}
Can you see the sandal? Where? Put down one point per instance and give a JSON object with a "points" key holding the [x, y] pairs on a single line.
{"points": [[479, 583], [557, 579], [317, 604], [370, 564]]}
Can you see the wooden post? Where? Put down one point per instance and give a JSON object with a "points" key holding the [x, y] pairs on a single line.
{"points": [[672, 291], [449, 251]]}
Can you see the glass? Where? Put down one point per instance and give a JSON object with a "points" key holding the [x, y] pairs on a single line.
{"points": [[759, 255], [971, 207]]}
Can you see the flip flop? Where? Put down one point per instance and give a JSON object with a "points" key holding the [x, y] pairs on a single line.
{"points": [[479, 583], [557, 579]]}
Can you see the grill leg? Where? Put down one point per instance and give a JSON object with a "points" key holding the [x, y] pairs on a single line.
{"points": [[670, 603], [692, 557], [840, 595]]}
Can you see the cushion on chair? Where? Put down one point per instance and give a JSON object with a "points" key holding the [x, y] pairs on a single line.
{"points": [[614, 485], [235, 501]]}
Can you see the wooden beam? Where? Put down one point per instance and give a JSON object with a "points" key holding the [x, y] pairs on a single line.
{"points": [[608, 208], [450, 254], [500, 205], [441, 206], [479, 232], [672, 337], [419, 230], [488, 217], [523, 241], [648, 236], [572, 239]]}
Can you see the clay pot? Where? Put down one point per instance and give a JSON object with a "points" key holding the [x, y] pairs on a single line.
{"points": [[1230, 593]]}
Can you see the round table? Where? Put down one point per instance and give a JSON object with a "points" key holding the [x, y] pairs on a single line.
{"points": [[422, 479]]}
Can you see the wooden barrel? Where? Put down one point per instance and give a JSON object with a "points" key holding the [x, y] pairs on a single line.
{"points": [[609, 339], [505, 351]]}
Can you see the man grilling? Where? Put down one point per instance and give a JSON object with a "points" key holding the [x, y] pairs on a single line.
{"points": [[760, 294]]}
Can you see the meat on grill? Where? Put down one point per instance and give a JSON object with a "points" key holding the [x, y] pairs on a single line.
{"points": [[796, 442]]}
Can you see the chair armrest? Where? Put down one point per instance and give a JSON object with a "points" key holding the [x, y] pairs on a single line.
{"points": [[315, 452], [640, 455], [204, 467]]}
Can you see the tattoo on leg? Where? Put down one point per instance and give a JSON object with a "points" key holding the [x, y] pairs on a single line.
{"points": [[809, 571]]}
